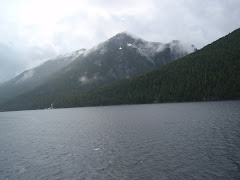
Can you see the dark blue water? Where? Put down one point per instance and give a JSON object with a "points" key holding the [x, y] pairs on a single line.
{"points": [[161, 141]]}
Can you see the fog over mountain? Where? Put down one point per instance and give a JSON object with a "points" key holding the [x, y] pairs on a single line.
{"points": [[33, 31], [122, 56]]}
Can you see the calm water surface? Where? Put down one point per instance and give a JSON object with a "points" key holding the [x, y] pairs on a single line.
{"points": [[161, 141]]}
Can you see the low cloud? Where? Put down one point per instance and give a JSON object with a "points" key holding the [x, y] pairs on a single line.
{"points": [[33, 31]]}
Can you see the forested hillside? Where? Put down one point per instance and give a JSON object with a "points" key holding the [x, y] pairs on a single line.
{"points": [[212, 73]]}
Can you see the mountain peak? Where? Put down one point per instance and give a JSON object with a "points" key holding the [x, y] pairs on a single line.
{"points": [[175, 41], [125, 35], [122, 56]]}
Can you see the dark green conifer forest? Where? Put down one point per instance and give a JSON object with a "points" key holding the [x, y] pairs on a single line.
{"points": [[212, 73]]}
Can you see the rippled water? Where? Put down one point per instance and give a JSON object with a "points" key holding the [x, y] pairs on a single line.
{"points": [[160, 141]]}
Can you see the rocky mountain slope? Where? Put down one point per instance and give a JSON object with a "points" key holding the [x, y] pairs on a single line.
{"points": [[122, 56], [30, 79], [212, 73]]}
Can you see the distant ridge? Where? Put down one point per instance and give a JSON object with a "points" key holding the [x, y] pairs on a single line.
{"points": [[212, 73], [32, 78], [122, 56]]}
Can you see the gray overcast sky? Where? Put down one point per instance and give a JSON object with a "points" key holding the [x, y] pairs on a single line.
{"points": [[32, 31]]}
